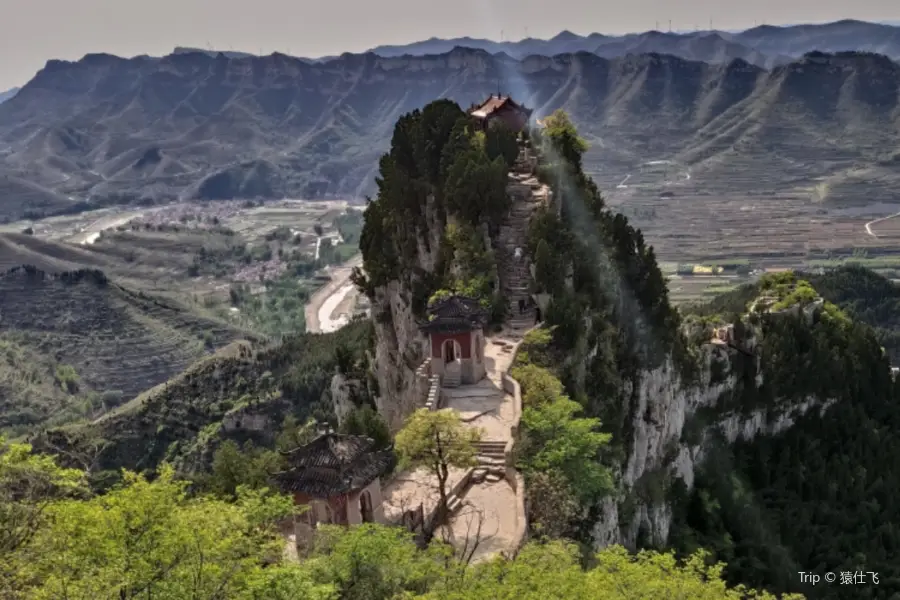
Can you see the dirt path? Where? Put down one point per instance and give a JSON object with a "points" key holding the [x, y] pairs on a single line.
{"points": [[90, 233], [320, 317], [870, 223]]}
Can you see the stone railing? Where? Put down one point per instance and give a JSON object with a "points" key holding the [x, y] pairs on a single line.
{"points": [[517, 482], [513, 477], [423, 380], [512, 387], [434, 400]]}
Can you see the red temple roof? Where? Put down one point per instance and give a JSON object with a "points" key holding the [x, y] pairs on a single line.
{"points": [[495, 103]]}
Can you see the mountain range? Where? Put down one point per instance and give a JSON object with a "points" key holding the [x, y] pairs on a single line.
{"points": [[192, 124], [765, 45]]}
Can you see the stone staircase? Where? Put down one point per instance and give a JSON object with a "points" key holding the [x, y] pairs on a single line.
{"points": [[491, 468], [527, 195], [452, 376], [491, 453]]}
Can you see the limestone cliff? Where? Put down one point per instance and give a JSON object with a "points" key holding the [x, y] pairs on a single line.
{"points": [[399, 350], [675, 423], [399, 346], [667, 396]]}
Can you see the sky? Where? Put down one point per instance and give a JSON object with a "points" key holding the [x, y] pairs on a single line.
{"points": [[34, 31]]}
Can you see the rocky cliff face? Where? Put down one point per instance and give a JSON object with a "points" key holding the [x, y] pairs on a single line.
{"points": [[665, 444], [400, 347], [672, 423]]}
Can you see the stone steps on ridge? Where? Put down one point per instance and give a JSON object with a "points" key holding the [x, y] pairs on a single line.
{"points": [[489, 461]]}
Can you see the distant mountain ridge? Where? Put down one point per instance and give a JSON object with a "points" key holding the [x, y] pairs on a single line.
{"points": [[766, 45], [4, 96], [213, 53], [194, 125]]}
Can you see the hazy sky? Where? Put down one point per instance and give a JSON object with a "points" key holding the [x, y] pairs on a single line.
{"points": [[33, 31]]}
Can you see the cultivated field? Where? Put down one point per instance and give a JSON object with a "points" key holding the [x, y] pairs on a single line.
{"points": [[155, 249], [689, 220], [77, 345], [170, 285]]}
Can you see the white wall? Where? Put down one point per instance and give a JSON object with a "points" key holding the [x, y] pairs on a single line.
{"points": [[354, 515]]}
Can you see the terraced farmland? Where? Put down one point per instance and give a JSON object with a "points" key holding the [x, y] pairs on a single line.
{"points": [[106, 337]]}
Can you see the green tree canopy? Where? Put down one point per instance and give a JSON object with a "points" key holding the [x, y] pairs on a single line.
{"points": [[151, 540], [551, 571], [29, 484], [436, 441]]}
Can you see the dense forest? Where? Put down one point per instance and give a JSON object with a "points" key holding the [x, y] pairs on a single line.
{"points": [[818, 497], [869, 298]]}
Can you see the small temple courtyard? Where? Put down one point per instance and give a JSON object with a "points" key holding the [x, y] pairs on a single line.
{"points": [[487, 499]]}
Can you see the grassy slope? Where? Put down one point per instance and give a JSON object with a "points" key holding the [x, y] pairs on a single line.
{"points": [[115, 340], [864, 294], [242, 392]]}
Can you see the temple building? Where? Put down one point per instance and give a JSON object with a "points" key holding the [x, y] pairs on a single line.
{"points": [[339, 478], [501, 109], [455, 330]]}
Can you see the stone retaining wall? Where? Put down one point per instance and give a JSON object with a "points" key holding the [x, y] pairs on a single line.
{"points": [[513, 477], [435, 398]]}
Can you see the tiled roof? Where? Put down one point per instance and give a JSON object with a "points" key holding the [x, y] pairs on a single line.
{"points": [[493, 104], [455, 313], [333, 464]]}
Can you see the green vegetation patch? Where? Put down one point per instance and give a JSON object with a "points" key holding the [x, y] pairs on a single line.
{"points": [[776, 505], [243, 393]]}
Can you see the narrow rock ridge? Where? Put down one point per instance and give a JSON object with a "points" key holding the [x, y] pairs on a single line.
{"points": [[660, 402], [663, 406], [400, 347]]}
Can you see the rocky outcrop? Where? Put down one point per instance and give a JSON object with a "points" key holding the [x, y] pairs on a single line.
{"points": [[400, 347], [342, 391], [665, 444], [399, 350]]}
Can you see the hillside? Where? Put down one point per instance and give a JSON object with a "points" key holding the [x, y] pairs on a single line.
{"points": [[713, 419], [284, 127], [771, 505], [243, 392], [76, 344]]}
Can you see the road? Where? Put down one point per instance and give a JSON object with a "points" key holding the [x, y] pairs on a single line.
{"points": [[870, 223], [323, 312], [92, 232]]}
